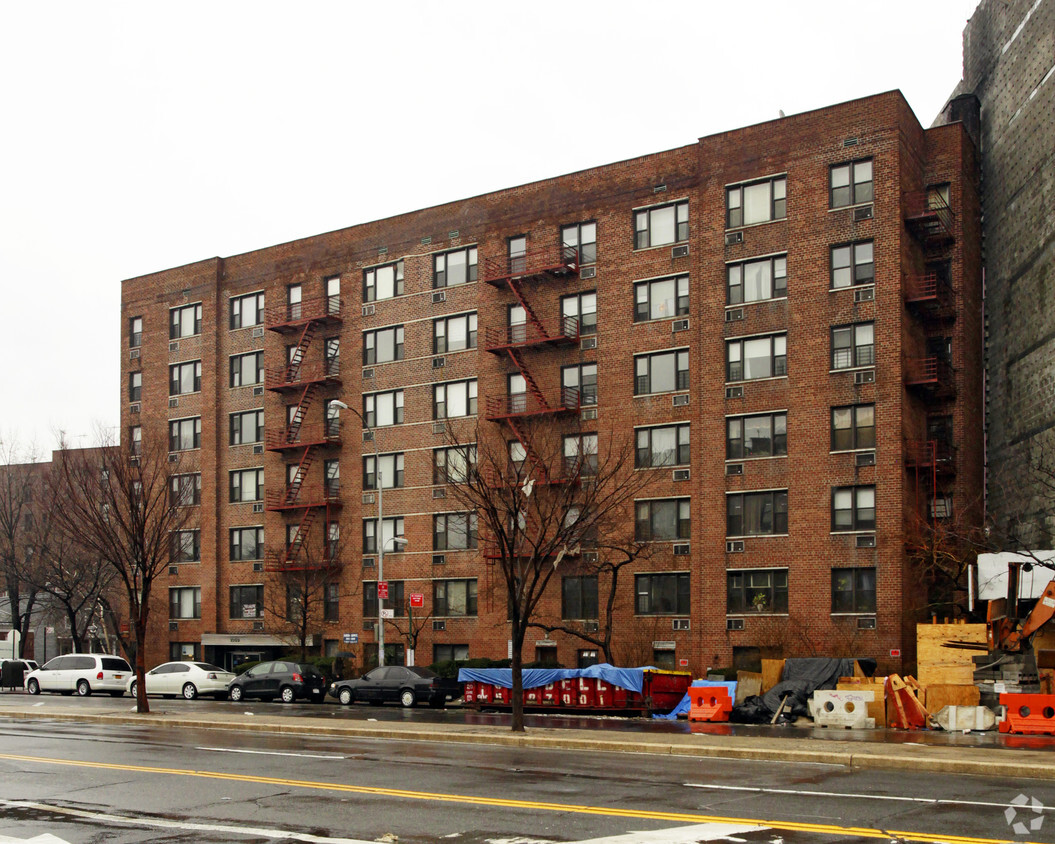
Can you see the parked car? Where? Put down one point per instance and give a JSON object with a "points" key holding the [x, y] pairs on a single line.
{"points": [[80, 673], [288, 681], [189, 679], [408, 685]]}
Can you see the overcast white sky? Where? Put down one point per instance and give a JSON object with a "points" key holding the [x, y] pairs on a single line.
{"points": [[140, 136]]}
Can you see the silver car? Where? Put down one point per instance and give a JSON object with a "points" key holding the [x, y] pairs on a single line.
{"points": [[80, 673], [189, 679]]}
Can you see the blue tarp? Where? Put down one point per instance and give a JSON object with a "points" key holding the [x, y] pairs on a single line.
{"points": [[632, 679], [683, 707]]}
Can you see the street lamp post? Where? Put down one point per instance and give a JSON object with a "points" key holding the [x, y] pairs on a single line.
{"points": [[379, 531]]}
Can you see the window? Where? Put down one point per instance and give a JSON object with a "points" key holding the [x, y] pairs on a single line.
{"points": [[580, 311], [449, 653], [294, 602], [247, 427], [294, 301], [333, 540], [661, 372], [186, 546], [246, 485], [184, 321], [456, 398], [453, 268], [135, 332], [661, 519], [662, 594], [453, 334], [756, 513], [185, 651], [661, 299], [391, 470], [580, 455], [185, 490], [585, 657], [247, 369], [185, 434], [854, 590], [331, 472], [853, 427], [331, 602], [853, 264], [453, 531], [392, 528], [394, 601], [661, 224], [756, 202], [579, 385], [454, 597], [853, 345], [383, 346], [185, 378], [332, 354], [664, 445], [135, 439], [381, 409], [579, 597], [383, 282], [247, 310], [762, 435], [332, 285], [853, 508], [850, 183], [940, 506], [757, 281], [517, 247], [135, 386], [247, 602], [756, 590], [247, 543], [185, 602], [581, 237], [751, 358], [452, 465]]}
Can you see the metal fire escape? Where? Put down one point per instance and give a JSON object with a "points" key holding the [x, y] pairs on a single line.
{"points": [[930, 299], [304, 377]]}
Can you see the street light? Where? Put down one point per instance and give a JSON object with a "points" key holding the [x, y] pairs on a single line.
{"points": [[379, 532]]}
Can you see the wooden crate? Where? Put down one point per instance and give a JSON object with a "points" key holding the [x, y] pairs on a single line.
{"points": [[876, 685], [938, 665], [939, 695]]}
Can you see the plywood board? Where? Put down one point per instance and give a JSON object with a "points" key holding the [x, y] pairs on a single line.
{"points": [[748, 683], [938, 665], [772, 671], [940, 695]]}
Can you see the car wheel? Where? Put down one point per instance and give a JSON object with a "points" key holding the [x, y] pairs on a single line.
{"points": [[345, 696], [190, 691], [83, 688], [406, 697], [133, 690], [235, 693], [287, 694], [33, 687]]}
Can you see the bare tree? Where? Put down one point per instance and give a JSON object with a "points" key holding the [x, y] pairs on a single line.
{"points": [[118, 505], [541, 507], [408, 626], [20, 493]]}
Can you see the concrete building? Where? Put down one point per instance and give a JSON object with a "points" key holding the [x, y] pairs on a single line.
{"points": [[785, 319]]}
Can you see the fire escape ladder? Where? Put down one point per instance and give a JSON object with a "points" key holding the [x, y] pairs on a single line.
{"points": [[539, 470], [300, 351], [533, 388], [300, 536], [532, 317], [293, 490], [293, 429]]}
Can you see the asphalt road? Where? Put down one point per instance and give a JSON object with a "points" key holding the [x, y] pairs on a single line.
{"points": [[97, 782]]}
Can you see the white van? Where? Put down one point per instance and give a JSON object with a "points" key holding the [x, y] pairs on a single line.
{"points": [[80, 673]]}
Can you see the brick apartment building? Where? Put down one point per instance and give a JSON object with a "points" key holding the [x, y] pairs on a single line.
{"points": [[785, 319]]}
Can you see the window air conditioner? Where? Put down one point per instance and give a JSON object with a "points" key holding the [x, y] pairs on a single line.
{"points": [[680, 401], [681, 549], [258, 449], [173, 569], [588, 343], [258, 391], [173, 458], [439, 559], [590, 627], [174, 346], [258, 508], [173, 625], [368, 310], [863, 213], [368, 498], [367, 374], [439, 296], [426, 240], [734, 624], [679, 624], [865, 294], [368, 562], [734, 314], [439, 363], [258, 625], [438, 427], [439, 492], [589, 414], [173, 402], [588, 272], [679, 251], [258, 333], [866, 623], [439, 625], [679, 325], [681, 474], [734, 392], [734, 468], [133, 354], [589, 556], [865, 458], [134, 408], [258, 566], [734, 546], [733, 237], [368, 436], [867, 540], [865, 376]]}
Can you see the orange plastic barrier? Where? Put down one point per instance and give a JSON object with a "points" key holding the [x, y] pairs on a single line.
{"points": [[709, 703], [1032, 714]]}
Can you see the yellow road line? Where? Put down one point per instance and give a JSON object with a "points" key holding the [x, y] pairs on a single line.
{"points": [[677, 817]]}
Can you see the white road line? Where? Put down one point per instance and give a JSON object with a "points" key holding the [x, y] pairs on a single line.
{"points": [[271, 753], [249, 831], [932, 801]]}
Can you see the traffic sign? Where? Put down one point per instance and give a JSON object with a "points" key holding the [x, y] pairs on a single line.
{"points": [[388, 613], [417, 600], [382, 589]]}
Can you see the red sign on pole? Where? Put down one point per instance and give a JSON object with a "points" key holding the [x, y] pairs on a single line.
{"points": [[382, 589], [417, 600]]}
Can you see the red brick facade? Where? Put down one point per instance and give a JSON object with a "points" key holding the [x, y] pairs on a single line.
{"points": [[798, 151]]}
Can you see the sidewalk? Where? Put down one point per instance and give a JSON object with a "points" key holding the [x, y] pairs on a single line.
{"points": [[1033, 757]]}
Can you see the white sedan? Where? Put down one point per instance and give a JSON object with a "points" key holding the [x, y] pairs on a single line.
{"points": [[189, 679]]}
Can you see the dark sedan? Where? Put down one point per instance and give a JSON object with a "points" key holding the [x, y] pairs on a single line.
{"points": [[288, 681], [407, 685]]}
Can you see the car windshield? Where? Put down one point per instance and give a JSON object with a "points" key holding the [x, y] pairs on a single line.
{"points": [[204, 666]]}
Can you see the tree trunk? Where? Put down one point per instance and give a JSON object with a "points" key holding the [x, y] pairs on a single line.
{"points": [[142, 705], [517, 666], [78, 642]]}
